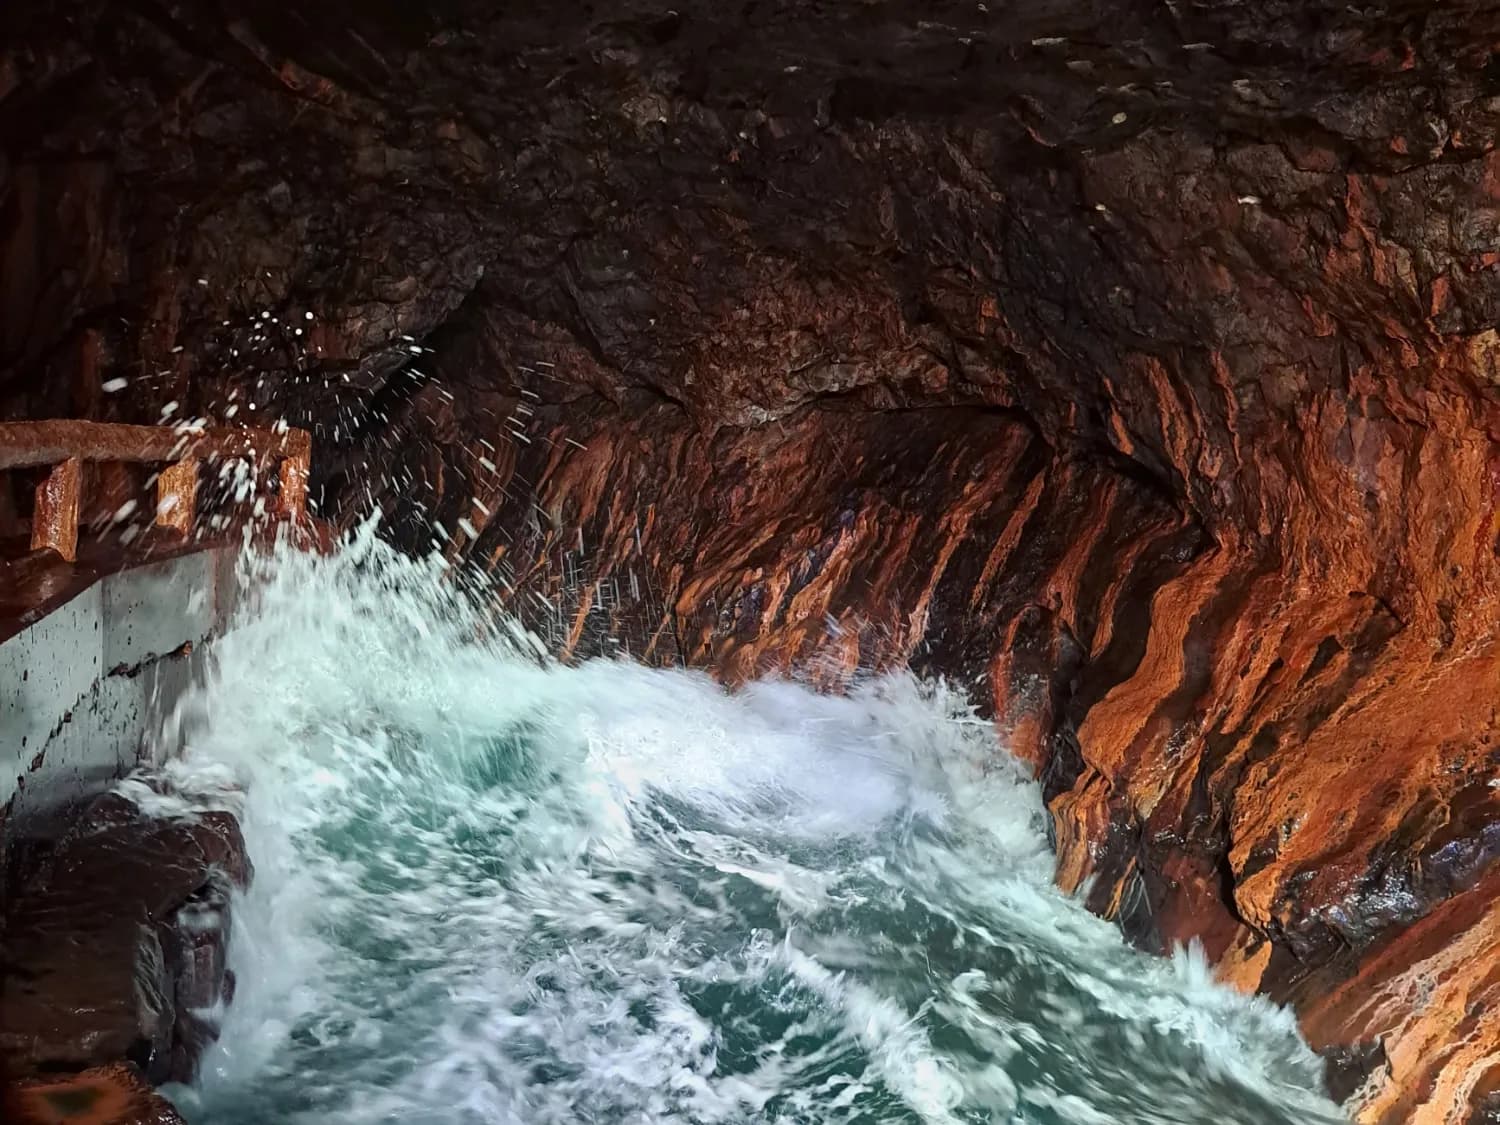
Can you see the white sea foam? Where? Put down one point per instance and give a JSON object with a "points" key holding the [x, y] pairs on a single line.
{"points": [[490, 888]]}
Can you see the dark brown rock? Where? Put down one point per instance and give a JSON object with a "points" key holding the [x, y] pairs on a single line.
{"points": [[109, 1095], [116, 938]]}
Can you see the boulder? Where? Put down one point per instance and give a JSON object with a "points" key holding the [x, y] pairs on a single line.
{"points": [[115, 944]]}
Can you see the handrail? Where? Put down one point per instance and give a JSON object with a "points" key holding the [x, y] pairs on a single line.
{"points": [[67, 444], [28, 444]]}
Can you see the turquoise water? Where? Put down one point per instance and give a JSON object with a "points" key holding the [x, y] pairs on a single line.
{"points": [[493, 889]]}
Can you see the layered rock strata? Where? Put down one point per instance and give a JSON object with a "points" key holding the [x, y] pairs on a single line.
{"points": [[1135, 363]]}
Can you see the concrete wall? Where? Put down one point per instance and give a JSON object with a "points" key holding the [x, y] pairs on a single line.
{"points": [[82, 689]]}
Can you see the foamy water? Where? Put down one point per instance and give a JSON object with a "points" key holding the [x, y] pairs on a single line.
{"points": [[494, 889]]}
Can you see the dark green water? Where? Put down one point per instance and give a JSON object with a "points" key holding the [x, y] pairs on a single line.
{"points": [[491, 890]]}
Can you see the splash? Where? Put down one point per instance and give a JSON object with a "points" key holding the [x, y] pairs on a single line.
{"points": [[491, 888]]}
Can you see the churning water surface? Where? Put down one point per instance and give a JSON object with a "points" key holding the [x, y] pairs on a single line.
{"points": [[490, 888]]}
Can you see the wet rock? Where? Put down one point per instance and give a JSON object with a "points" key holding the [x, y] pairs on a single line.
{"points": [[1486, 1109], [115, 943], [1347, 1067], [109, 1095], [1423, 1006]]}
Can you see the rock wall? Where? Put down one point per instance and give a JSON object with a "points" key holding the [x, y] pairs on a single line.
{"points": [[1136, 363]]}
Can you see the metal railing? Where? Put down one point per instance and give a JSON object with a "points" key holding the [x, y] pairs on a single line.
{"points": [[66, 445]]}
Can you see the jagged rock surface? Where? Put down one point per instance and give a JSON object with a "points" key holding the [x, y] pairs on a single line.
{"points": [[1137, 362], [114, 945], [108, 1095]]}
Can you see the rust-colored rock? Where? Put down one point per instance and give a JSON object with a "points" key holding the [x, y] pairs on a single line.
{"points": [[1136, 364], [107, 1095], [1429, 997]]}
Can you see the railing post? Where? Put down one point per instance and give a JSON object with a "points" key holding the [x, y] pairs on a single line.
{"points": [[294, 486], [61, 446], [54, 521], [177, 496]]}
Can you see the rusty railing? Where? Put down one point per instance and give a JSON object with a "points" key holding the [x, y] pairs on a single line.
{"points": [[66, 445]]}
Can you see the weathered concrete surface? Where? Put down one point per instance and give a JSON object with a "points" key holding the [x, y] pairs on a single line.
{"points": [[82, 688]]}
